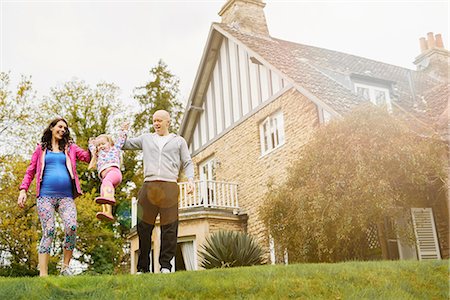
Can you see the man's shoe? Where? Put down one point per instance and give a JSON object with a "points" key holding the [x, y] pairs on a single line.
{"points": [[165, 271]]}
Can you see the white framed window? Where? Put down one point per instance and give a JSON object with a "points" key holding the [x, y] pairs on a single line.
{"points": [[377, 95], [208, 169], [271, 132], [185, 257], [207, 177]]}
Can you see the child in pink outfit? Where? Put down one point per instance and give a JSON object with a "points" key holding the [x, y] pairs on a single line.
{"points": [[106, 158]]}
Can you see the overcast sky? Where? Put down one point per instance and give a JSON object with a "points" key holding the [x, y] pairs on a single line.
{"points": [[119, 41]]}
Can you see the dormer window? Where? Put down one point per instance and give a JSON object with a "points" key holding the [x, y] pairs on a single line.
{"points": [[375, 94]]}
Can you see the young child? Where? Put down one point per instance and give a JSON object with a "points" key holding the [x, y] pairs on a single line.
{"points": [[106, 158]]}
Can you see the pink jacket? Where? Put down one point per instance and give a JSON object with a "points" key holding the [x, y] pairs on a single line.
{"points": [[37, 165]]}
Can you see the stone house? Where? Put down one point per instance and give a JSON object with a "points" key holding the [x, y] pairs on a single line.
{"points": [[256, 100]]}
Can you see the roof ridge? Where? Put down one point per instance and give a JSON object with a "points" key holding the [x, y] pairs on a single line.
{"points": [[345, 53]]}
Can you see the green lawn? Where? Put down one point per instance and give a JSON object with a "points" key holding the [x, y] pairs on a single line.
{"points": [[350, 280]]}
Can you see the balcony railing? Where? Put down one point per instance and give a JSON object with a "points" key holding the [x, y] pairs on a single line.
{"points": [[207, 193]]}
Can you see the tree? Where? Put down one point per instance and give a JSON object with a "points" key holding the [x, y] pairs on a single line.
{"points": [[19, 228], [159, 93], [352, 174], [15, 119], [18, 239]]}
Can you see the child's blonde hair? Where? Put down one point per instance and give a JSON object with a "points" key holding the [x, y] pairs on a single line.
{"points": [[93, 163]]}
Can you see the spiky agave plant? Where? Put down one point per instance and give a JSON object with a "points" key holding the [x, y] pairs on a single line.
{"points": [[227, 249]]}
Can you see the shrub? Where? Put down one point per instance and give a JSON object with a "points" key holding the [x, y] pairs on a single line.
{"points": [[226, 249], [352, 174]]}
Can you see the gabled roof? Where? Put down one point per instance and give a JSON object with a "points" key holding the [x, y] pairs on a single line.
{"points": [[324, 76]]}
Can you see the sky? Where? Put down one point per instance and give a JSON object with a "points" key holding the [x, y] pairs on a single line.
{"points": [[120, 41]]}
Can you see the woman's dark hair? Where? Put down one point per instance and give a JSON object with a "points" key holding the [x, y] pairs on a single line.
{"points": [[46, 140]]}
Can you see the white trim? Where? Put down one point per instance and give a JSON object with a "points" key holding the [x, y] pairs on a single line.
{"points": [[243, 119], [272, 127], [187, 239], [324, 116], [283, 77], [134, 205], [210, 164], [425, 232], [372, 93]]}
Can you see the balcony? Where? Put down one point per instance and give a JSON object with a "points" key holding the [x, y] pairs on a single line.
{"points": [[207, 193]]}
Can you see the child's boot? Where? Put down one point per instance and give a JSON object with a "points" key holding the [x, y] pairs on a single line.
{"points": [[107, 196], [106, 213]]}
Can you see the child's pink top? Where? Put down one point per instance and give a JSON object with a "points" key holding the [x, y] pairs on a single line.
{"points": [[111, 157]]}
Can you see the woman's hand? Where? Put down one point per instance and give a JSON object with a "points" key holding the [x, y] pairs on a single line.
{"points": [[22, 198]]}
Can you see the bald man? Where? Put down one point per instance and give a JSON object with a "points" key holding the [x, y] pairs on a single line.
{"points": [[165, 154]]}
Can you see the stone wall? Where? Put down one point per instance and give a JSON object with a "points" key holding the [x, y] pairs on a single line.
{"points": [[238, 154]]}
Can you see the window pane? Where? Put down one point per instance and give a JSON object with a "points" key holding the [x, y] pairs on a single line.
{"points": [[267, 143], [275, 132], [213, 169], [204, 172], [380, 97], [363, 92], [326, 116], [280, 128]]}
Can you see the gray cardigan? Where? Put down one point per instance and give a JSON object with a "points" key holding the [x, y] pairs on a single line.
{"points": [[166, 164]]}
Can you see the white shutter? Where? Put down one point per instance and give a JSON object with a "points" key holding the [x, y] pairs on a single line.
{"points": [[425, 232]]}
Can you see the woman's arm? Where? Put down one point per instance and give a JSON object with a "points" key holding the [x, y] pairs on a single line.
{"points": [[81, 154]]}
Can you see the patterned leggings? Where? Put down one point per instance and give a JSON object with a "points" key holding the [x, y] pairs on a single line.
{"points": [[46, 210]]}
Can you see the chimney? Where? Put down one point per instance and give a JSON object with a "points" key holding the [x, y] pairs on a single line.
{"points": [[246, 16], [439, 42], [423, 45], [430, 40], [433, 59]]}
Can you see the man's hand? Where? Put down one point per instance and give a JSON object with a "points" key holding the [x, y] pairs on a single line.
{"points": [[22, 198], [190, 186]]}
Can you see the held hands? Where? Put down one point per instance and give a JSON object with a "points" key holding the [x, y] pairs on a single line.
{"points": [[125, 126], [22, 199], [190, 186]]}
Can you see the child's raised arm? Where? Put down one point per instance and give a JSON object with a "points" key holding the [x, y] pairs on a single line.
{"points": [[122, 135], [93, 148], [91, 145]]}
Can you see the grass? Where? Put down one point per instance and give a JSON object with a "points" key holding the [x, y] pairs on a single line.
{"points": [[349, 280]]}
